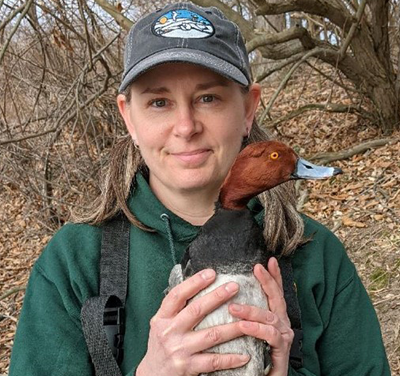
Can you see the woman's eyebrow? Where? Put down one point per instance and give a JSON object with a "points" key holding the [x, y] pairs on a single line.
{"points": [[201, 86]]}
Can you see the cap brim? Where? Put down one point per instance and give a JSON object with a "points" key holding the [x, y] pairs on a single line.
{"points": [[180, 55]]}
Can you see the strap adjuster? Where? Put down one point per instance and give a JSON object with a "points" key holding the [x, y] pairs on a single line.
{"points": [[114, 326]]}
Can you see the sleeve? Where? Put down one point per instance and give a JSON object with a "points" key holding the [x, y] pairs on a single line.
{"points": [[351, 343], [49, 339]]}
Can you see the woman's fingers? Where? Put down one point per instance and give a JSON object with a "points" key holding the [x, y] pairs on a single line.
{"points": [[271, 283], [204, 339], [194, 312], [256, 314], [209, 362], [279, 341], [275, 271], [177, 298]]}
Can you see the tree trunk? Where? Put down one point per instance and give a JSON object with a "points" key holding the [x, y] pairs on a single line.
{"points": [[377, 77], [384, 97]]}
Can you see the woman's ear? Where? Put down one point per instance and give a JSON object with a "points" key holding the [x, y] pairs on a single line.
{"points": [[252, 101], [124, 110]]}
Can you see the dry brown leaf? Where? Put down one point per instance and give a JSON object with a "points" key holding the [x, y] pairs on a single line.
{"points": [[350, 223]]}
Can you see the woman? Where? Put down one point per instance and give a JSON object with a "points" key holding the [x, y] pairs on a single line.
{"points": [[188, 103]]}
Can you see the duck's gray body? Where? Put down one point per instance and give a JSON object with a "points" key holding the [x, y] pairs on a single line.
{"points": [[231, 243]]}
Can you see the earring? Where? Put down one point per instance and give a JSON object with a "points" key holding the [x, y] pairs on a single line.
{"points": [[135, 144]]}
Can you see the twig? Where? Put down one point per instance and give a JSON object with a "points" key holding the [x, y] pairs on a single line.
{"points": [[86, 34], [328, 107], [281, 37], [352, 30], [11, 16], [12, 291], [12, 318], [284, 82], [121, 20], [278, 67], [15, 140], [39, 91], [96, 57], [344, 154], [14, 29], [336, 226], [387, 299]]}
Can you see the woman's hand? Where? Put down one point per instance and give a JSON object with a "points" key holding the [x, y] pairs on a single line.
{"points": [[174, 348], [271, 325]]}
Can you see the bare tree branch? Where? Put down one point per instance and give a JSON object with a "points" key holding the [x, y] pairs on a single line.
{"points": [[80, 107], [282, 85], [345, 154], [283, 36], [324, 8], [347, 88], [12, 15], [353, 28], [328, 107], [14, 29], [121, 20], [278, 67], [12, 291], [87, 36]]}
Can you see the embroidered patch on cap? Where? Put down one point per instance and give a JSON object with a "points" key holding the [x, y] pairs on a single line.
{"points": [[183, 24]]}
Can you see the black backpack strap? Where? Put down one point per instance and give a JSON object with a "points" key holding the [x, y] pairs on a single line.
{"points": [[102, 316], [293, 310]]}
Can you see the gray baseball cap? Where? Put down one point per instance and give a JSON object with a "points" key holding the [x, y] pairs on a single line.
{"points": [[183, 32]]}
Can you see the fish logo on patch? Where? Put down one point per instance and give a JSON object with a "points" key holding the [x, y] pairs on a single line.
{"points": [[183, 24]]}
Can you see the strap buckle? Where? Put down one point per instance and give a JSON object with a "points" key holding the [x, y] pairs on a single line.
{"points": [[296, 354], [114, 326]]}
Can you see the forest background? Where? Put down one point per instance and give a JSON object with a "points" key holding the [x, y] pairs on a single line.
{"points": [[330, 72]]}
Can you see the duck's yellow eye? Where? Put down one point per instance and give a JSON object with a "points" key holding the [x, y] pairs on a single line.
{"points": [[274, 155]]}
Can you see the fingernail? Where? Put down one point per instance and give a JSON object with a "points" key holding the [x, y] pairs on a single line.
{"points": [[232, 287], [208, 274], [236, 307], [244, 358], [261, 267]]}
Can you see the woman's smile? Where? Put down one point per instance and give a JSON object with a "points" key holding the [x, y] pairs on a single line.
{"points": [[193, 158]]}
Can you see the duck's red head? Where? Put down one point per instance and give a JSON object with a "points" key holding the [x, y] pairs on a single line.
{"points": [[262, 166]]}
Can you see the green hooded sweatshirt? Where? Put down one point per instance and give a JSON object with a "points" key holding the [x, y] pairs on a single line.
{"points": [[341, 331]]}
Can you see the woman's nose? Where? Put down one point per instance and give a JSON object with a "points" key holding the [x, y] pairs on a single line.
{"points": [[186, 123]]}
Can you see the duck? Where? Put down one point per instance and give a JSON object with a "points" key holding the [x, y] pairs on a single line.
{"points": [[232, 243]]}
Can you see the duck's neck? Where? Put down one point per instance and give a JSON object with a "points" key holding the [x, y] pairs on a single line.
{"points": [[230, 200], [237, 191], [244, 182]]}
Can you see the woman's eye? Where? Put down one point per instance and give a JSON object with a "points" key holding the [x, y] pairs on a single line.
{"points": [[208, 98], [158, 103]]}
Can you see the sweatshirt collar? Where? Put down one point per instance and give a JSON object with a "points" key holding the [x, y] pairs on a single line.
{"points": [[148, 209]]}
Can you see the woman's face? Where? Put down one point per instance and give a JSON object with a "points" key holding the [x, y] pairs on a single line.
{"points": [[189, 123]]}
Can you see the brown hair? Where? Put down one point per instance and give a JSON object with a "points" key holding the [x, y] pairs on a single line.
{"points": [[283, 230]]}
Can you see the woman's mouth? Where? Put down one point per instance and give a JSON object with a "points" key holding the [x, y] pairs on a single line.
{"points": [[192, 158]]}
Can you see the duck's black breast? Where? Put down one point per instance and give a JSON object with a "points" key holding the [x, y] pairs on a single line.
{"points": [[229, 242]]}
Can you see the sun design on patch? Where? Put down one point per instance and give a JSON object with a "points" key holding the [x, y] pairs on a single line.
{"points": [[183, 24]]}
